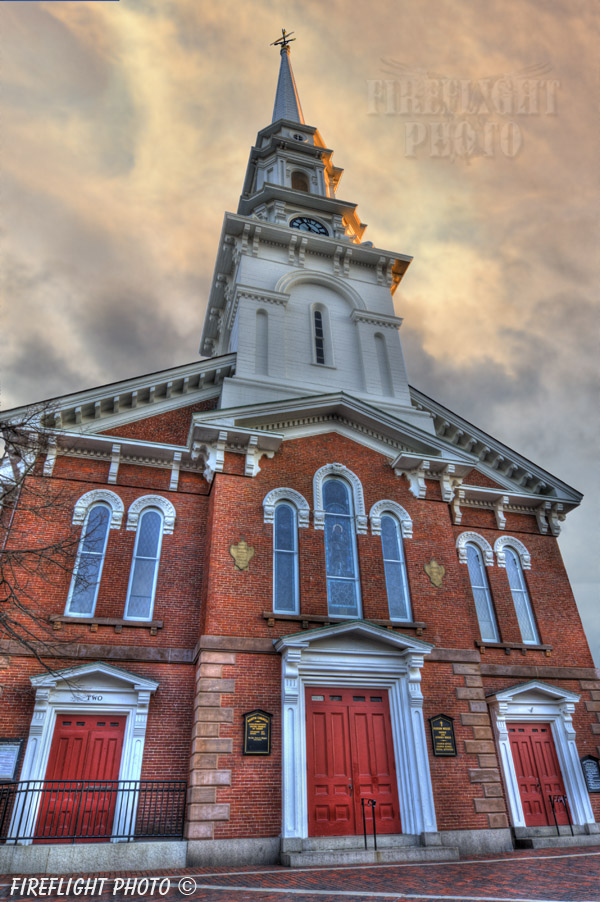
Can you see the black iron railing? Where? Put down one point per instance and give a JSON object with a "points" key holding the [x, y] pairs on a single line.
{"points": [[91, 810]]}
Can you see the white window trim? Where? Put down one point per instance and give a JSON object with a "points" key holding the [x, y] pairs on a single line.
{"points": [[70, 691], [539, 702], [484, 546], [337, 660], [339, 470], [68, 612], [296, 610], [133, 560], [96, 496], [390, 507], [293, 497], [144, 501], [517, 546]]}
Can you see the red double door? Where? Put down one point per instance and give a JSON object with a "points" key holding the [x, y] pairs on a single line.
{"points": [[86, 749], [538, 773], [350, 756]]}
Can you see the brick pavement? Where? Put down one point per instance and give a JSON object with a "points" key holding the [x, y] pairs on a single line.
{"points": [[548, 875]]}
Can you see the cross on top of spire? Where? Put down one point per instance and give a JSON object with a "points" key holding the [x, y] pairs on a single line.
{"points": [[284, 40], [287, 103]]}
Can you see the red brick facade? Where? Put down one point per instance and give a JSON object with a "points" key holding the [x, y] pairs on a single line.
{"points": [[213, 655]]}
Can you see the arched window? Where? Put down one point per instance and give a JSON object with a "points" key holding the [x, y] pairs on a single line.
{"points": [[144, 567], [481, 594], [300, 181], [396, 580], [319, 337], [285, 560], [343, 590], [81, 601], [520, 595]]}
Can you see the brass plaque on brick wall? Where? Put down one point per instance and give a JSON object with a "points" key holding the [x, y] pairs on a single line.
{"points": [[442, 736], [257, 733]]}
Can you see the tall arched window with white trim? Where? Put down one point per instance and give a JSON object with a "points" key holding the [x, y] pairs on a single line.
{"points": [[81, 601], [144, 567], [482, 595], [341, 560], [396, 579], [285, 560], [522, 602]]}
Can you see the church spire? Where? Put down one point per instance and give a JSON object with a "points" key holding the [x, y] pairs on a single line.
{"points": [[287, 102]]}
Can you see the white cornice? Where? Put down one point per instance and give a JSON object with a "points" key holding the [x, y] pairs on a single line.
{"points": [[119, 403], [514, 474]]}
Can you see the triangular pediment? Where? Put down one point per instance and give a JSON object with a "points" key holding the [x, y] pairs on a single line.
{"points": [[93, 676], [353, 635], [343, 414], [534, 691]]}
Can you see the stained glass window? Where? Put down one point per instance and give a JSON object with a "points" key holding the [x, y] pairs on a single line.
{"points": [[144, 567], [88, 566], [285, 560], [481, 595], [520, 595], [340, 550], [395, 569]]}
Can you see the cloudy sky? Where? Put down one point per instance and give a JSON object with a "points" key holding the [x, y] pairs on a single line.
{"points": [[468, 133]]}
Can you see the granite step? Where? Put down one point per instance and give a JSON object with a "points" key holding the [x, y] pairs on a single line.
{"points": [[557, 842], [395, 853]]}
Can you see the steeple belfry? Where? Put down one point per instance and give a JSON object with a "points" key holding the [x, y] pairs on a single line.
{"points": [[287, 103]]}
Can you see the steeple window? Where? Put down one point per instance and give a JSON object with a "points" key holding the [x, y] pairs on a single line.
{"points": [[383, 360], [322, 352], [319, 338], [261, 367], [300, 181]]}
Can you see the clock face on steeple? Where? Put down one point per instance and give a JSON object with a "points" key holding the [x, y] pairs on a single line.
{"points": [[305, 224]]}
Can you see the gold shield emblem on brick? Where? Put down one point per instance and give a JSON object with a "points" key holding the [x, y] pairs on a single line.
{"points": [[242, 553], [435, 572]]}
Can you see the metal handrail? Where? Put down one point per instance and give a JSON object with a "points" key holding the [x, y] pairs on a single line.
{"points": [[88, 810], [371, 803]]}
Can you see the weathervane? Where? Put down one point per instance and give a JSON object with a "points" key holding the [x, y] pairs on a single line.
{"points": [[284, 40]]}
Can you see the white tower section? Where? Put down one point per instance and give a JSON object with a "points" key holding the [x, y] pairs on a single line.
{"points": [[305, 305]]}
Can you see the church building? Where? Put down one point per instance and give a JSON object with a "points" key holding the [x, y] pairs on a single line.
{"points": [[305, 601]]}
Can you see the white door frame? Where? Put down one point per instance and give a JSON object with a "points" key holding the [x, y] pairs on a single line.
{"points": [[538, 702], [95, 688], [356, 654]]}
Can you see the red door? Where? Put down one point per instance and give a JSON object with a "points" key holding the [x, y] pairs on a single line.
{"points": [[538, 773], [86, 749], [350, 756]]}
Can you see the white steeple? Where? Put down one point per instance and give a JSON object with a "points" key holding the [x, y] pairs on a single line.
{"points": [[301, 299], [287, 103]]}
